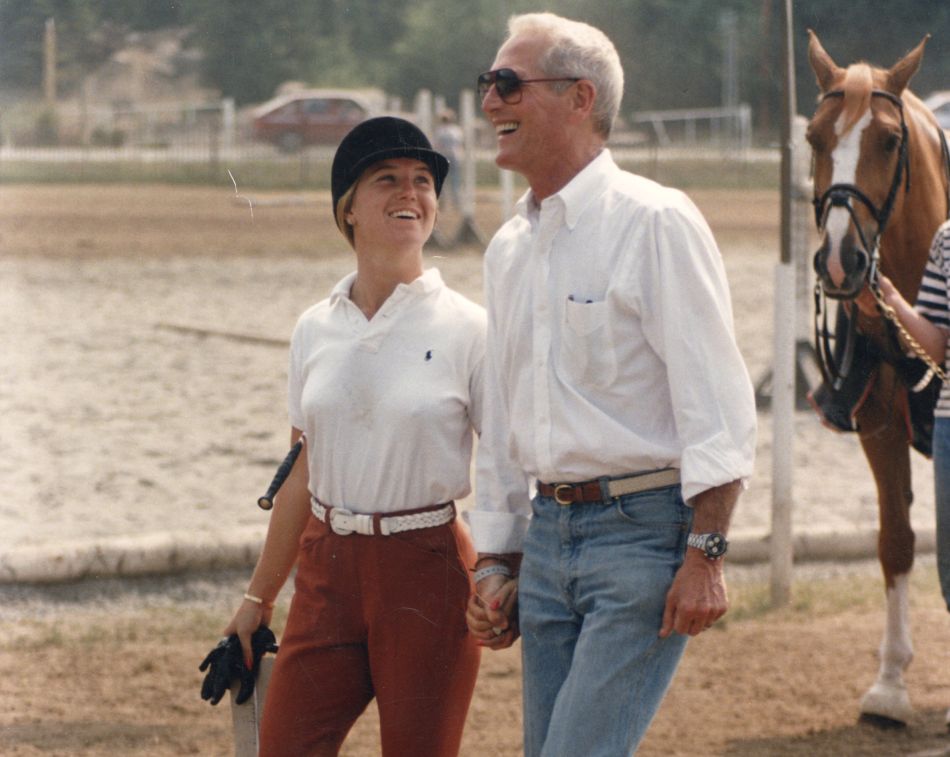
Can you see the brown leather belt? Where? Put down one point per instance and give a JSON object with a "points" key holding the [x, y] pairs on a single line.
{"points": [[591, 491]]}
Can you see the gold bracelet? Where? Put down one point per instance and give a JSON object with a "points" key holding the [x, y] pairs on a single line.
{"points": [[257, 600]]}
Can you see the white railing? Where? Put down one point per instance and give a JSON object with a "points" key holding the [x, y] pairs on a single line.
{"points": [[729, 126]]}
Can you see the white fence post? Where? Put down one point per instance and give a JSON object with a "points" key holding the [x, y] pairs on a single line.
{"points": [[228, 125], [423, 110]]}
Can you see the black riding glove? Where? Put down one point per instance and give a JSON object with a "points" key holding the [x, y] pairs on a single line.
{"points": [[226, 662]]}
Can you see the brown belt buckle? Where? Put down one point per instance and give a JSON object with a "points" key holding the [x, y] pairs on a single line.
{"points": [[557, 494]]}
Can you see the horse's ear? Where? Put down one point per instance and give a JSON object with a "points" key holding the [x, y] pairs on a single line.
{"points": [[901, 72], [826, 70]]}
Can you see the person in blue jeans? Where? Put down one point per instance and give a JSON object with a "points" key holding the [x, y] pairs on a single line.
{"points": [[928, 322], [614, 390]]}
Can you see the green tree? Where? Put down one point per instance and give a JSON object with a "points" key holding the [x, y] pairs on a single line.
{"points": [[875, 31], [251, 46], [447, 44], [81, 43], [671, 49]]}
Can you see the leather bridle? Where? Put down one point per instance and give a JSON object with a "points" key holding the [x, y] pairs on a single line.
{"points": [[842, 195]]}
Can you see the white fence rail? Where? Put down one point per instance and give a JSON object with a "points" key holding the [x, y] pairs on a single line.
{"points": [[727, 126]]}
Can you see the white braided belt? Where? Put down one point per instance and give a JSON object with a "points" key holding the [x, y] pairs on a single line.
{"points": [[345, 522]]}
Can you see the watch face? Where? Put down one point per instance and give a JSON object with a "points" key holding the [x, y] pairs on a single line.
{"points": [[715, 545]]}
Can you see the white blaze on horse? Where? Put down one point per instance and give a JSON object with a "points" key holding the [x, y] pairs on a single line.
{"points": [[881, 190]]}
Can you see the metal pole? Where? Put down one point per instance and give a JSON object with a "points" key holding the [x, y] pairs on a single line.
{"points": [[467, 107], [783, 376], [49, 62]]}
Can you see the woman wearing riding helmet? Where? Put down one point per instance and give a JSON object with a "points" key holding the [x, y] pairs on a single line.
{"points": [[384, 387]]}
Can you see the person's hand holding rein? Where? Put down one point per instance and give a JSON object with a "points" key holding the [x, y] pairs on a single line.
{"points": [[867, 302]]}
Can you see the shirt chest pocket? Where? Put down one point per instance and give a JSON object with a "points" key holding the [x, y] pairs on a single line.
{"points": [[587, 355]]}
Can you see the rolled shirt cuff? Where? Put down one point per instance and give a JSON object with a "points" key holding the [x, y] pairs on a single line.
{"points": [[497, 532], [705, 469]]}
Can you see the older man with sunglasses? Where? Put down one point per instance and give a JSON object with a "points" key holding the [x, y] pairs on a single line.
{"points": [[615, 389]]}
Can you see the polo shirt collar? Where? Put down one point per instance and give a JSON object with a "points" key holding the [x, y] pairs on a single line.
{"points": [[578, 193], [342, 289], [429, 281]]}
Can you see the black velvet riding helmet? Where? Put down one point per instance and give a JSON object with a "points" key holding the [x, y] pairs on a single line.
{"points": [[377, 139]]}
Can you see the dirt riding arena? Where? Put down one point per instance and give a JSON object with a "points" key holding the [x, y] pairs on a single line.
{"points": [[143, 370]]}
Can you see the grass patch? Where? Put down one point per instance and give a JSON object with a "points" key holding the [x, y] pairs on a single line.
{"points": [[311, 171], [89, 627], [822, 597], [723, 172]]}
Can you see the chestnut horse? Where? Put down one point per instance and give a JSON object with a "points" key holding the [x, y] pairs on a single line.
{"points": [[881, 190]]}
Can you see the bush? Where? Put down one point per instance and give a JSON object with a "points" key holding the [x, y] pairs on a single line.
{"points": [[102, 137], [46, 129]]}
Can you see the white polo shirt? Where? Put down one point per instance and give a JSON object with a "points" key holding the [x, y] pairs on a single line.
{"points": [[389, 405], [610, 349]]}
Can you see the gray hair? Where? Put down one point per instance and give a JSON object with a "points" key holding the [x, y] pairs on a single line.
{"points": [[581, 50]]}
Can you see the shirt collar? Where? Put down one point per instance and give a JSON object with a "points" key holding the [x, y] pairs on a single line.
{"points": [[578, 193], [429, 281]]}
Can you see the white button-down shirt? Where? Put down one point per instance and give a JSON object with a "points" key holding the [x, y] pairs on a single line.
{"points": [[610, 349], [389, 405]]}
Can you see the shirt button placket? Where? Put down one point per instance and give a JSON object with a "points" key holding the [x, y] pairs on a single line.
{"points": [[547, 228]]}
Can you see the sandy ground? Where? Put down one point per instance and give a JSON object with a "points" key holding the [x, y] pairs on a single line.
{"points": [[117, 424], [111, 668], [125, 412]]}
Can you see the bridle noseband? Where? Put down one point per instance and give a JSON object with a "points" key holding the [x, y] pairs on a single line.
{"points": [[841, 195]]}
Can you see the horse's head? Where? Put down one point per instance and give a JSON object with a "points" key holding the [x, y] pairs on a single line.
{"points": [[859, 141]]}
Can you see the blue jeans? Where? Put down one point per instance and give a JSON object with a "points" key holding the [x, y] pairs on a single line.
{"points": [[941, 455], [592, 590]]}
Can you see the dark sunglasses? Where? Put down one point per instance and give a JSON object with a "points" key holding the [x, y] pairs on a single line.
{"points": [[508, 84]]}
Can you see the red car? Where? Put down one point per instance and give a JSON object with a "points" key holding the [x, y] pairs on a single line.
{"points": [[314, 116]]}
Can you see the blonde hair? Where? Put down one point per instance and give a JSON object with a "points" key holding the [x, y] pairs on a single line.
{"points": [[580, 50], [343, 206]]}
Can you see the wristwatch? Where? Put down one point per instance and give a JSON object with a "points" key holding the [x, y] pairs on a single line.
{"points": [[714, 545]]}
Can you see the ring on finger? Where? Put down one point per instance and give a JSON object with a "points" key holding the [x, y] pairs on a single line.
{"points": [[497, 631]]}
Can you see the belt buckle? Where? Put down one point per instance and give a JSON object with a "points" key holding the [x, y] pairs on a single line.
{"points": [[557, 494], [342, 521]]}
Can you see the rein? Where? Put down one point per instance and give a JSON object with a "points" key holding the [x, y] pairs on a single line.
{"points": [[932, 368]]}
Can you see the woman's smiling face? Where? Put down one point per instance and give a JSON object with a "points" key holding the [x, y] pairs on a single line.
{"points": [[394, 204]]}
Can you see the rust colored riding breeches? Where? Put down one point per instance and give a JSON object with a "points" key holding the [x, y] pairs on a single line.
{"points": [[375, 616]]}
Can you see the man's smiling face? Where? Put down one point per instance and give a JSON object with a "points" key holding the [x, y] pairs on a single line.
{"points": [[531, 133]]}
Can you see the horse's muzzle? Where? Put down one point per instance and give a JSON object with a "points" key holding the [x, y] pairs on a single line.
{"points": [[855, 263]]}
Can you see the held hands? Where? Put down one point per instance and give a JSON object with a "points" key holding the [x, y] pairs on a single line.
{"points": [[697, 598], [492, 613]]}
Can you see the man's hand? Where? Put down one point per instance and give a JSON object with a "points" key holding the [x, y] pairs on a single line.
{"points": [[697, 598]]}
